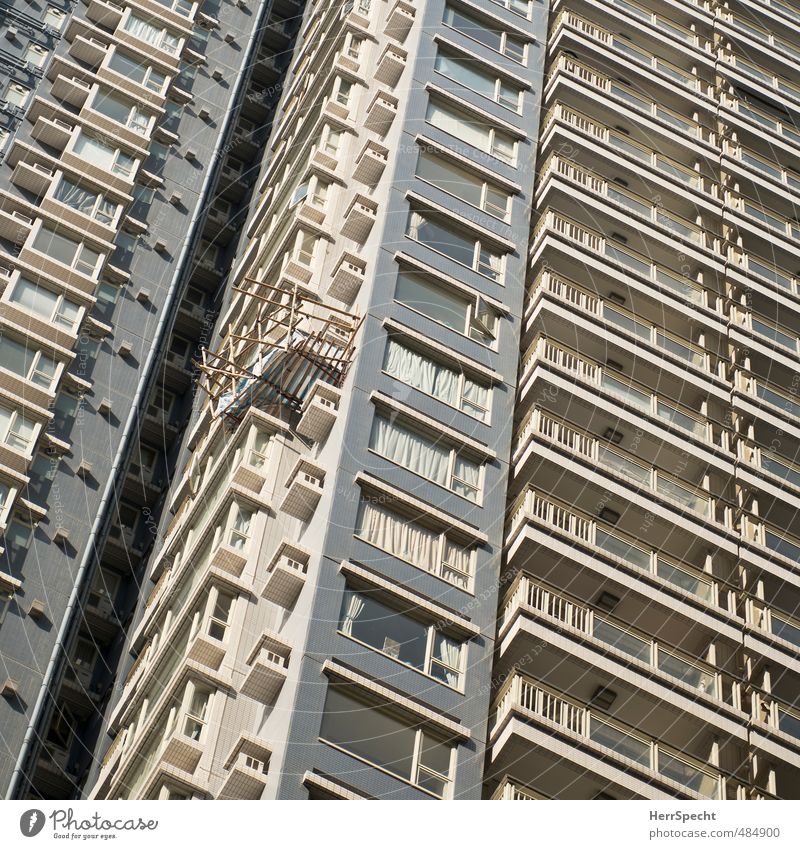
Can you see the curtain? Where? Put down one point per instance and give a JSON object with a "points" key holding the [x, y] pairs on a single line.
{"points": [[450, 655], [418, 371], [76, 197], [404, 539], [410, 450], [141, 29], [475, 398], [354, 607], [457, 565]]}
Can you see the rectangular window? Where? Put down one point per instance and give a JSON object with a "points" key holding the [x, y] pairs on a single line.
{"points": [[15, 430], [471, 317], [400, 636], [447, 238], [66, 251], [463, 184], [133, 69], [503, 42], [381, 737], [159, 37], [87, 202], [27, 362], [449, 386], [36, 55], [475, 77], [124, 112], [98, 153], [427, 456], [54, 308], [427, 549], [17, 94], [472, 131]]}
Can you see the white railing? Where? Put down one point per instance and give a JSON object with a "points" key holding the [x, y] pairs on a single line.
{"points": [[782, 337], [614, 543], [763, 119], [532, 698], [616, 460], [635, 395]]}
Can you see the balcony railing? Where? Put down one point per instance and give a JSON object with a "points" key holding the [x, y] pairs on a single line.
{"points": [[674, 30], [774, 622], [510, 790], [770, 394], [782, 337], [774, 81], [766, 708], [627, 47], [567, 65], [760, 458], [658, 161], [763, 119], [760, 34], [785, 226], [613, 632], [568, 520], [609, 249], [616, 460], [636, 204], [778, 541], [523, 694], [634, 394], [589, 302]]}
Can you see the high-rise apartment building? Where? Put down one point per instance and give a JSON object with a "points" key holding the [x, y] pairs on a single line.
{"points": [[488, 487], [648, 635], [126, 136]]}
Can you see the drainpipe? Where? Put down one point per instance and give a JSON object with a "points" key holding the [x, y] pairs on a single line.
{"points": [[163, 330]]}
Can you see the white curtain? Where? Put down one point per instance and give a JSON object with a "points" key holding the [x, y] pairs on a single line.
{"points": [[450, 655], [410, 450], [404, 539], [460, 562], [421, 373], [476, 397], [354, 607], [469, 473], [141, 29]]}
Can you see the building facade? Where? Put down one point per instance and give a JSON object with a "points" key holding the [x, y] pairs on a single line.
{"points": [[648, 636], [126, 142], [482, 482]]}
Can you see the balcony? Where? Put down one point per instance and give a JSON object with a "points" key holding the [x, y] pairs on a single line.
{"points": [[770, 395], [319, 411], [347, 278], [246, 769], [399, 20], [286, 575], [760, 118], [771, 465], [630, 203], [391, 65], [304, 490], [182, 752], [33, 177], [575, 615], [679, 774], [381, 113], [71, 90], [105, 13], [773, 541], [615, 461], [637, 396], [87, 49], [371, 163], [600, 536], [780, 85], [589, 303], [52, 132], [510, 790], [614, 252], [774, 336], [359, 218], [268, 668]]}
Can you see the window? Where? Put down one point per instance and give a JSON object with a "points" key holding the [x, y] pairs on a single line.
{"points": [[15, 430], [239, 527], [402, 637], [470, 316], [519, 7], [381, 737], [426, 456], [35, 55], [219, 614], [5, 602], [196, 704], [449, 386], [161, 403], [57, 309], [97, 152], [28, 363], [76, 255], [133, 69], [509, 45], [342, 92], [477, 78], [87, 202], [259, 449], [159, 37], [463, 184], [472, 131], [423, 547], [447, 238], [122, 111], [331, 140], [17, 94]]}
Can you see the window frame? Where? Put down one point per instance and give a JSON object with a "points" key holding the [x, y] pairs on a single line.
{"points": [[491, 148], [505, 36], [54, 316], [498, 79]]}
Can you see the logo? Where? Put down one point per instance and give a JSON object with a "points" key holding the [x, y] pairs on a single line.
{"points": [[31, 822]]}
